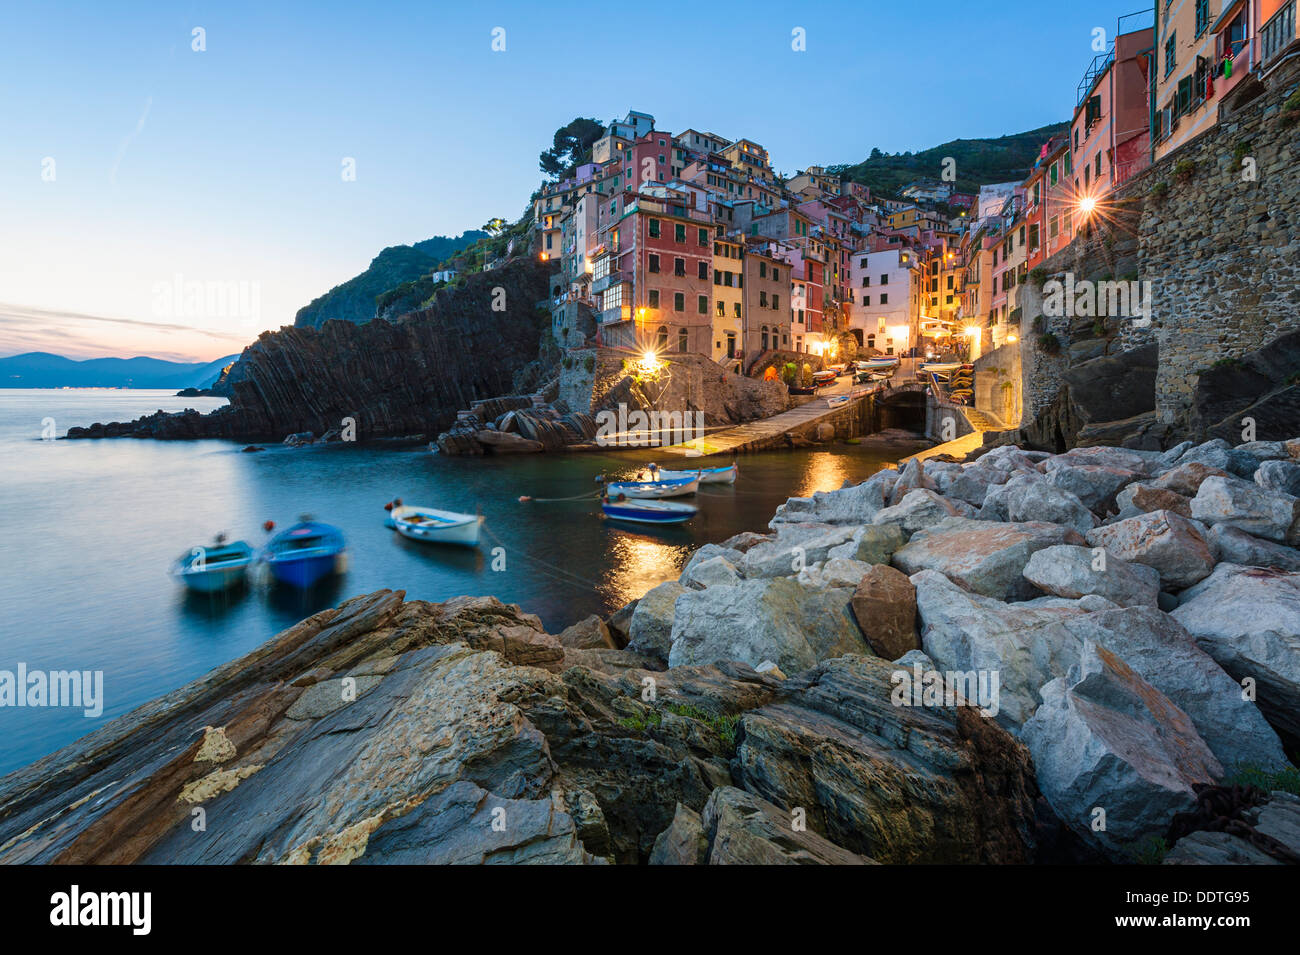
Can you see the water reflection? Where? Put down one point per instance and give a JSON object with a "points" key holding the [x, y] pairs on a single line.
{"points": [[825, 472], [213, 606], [640, 560]]}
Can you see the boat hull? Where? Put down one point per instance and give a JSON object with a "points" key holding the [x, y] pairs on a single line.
{"points": [[305, 554], [214, 581], [725, 475], [646, 514]]}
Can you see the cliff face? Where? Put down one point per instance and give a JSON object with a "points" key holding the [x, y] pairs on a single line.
{"points": [[393, 378]]}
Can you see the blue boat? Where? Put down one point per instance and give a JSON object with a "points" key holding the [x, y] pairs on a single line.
{"points": [[305, 553], [648, 512]]}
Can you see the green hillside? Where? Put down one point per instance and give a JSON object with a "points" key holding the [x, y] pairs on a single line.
{"points": [[354, 300], [978, 162]]}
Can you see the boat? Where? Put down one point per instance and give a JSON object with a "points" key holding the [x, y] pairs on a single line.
{"points": [[305, 553], [665, 487], [725, 475], [883, 362], [821, 378], [940, 367], [432, 526], [215, 568], [648, 512]]}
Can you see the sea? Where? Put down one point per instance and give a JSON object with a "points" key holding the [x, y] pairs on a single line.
{"points": [[90, 529]]}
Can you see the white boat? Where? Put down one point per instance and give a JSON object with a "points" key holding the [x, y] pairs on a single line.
{"points": [[665, 487], [432, 526], [725, 475], [941, 368]]}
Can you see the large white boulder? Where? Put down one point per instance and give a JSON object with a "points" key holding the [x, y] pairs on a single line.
{"points": [[1106, 741], [1246, 506], [1069, 571], [1163, 540], [776, 619], [1248, 619], [984, 557]]}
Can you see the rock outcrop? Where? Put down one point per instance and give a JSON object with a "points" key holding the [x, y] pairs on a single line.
{"points": [[393, 379]]}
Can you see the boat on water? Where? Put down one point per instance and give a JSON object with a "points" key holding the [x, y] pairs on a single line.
{"points": [[725, 475], [665, 487], [305, 553], [432, 526], [647, 512], [217, 567]]}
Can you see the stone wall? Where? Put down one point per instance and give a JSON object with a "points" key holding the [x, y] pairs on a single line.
{"points": [[999, 384], [1221, 251]]}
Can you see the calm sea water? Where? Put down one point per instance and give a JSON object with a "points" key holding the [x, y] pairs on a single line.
{"points": [[89, 529]]}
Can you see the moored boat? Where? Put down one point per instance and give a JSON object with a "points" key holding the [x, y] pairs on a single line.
{"points": [[432, 526], [305, 553], [648, 512], [725, 475], [674, 487], [217, 567]]}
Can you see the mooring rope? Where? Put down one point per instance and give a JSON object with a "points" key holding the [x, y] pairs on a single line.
{"points": [[1219, 809]]}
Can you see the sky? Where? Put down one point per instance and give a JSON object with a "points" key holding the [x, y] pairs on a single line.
{"points": [[164, 199]]}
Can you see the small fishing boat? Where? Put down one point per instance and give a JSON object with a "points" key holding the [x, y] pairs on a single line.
{"points": [[823, 378], [648, 512], [667, 487], [878, 362], [433, 526], [215, 568], [305, 553], [725, 475]]}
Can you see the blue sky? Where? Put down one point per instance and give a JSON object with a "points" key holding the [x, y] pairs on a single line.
{"points": [[175, 168]]}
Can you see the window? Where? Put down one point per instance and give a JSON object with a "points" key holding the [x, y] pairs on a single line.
{"points": [[654, 298], [884, 280], [1098, 172], [949, 300], [866, 301], [654, 262], [704, 237], [661, 339], [884, 299], [704, 270], [776, 274], [654, 228], [1171, 49], [762, 299], [736, 308], [762, 270], [683, 341], [703, 305], [776, 302], [1053, 173], [679, 232], [679, 266], [950, 277], [722, 308], [679, 302], [1092, 111], [1202, 16]]}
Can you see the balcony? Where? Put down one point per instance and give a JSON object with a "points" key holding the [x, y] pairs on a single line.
{"points": [[1277, 34], [619, 313], [605, 281]]}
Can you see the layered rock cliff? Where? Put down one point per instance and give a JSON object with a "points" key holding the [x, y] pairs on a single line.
{"points": [[393, 379]]}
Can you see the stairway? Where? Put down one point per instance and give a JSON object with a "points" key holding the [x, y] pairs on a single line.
{"points": [[982, 421]]}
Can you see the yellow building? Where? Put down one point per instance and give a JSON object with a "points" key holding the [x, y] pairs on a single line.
{"points": [[728, 299]]}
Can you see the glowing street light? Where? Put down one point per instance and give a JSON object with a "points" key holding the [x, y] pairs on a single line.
{"points": [[1087, 204]]}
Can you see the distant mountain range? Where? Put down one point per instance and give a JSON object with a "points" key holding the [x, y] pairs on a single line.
{"points": [[43, 370], [354, 300], [978, 162]]}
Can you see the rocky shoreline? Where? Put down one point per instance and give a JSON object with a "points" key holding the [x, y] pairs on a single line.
{"points": [[1026, 657]]}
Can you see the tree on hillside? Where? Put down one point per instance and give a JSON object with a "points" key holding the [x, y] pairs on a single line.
{"points": [[495, 226], [570, 146]]}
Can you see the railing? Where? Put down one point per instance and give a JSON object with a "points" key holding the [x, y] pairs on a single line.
{"points": [[1277, 33]]}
